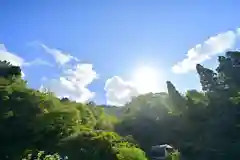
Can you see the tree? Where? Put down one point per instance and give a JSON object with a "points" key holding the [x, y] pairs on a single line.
{"points": [[228, 70], [36, 121], [7, 70], [177, 100], [208, 78], [208, 125]]}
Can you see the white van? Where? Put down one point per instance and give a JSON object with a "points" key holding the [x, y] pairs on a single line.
{"points": [[161, 152]]}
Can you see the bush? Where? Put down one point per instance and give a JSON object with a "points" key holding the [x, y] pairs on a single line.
{"points": [[174, 156], [42, 156], [131, 154]]}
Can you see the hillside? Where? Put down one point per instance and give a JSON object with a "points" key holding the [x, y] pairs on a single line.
{"points": [[201, 124], [33, 121]]}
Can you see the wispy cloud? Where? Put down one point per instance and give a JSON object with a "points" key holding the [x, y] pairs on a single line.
{"points": [[74, 79], [37, 61], [119, 91], [60, 56], [73, 83], [201, 52], [16, 60], [10, 57]]}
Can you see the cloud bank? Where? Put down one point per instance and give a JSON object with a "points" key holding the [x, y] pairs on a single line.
{"points": [[211, 47]]}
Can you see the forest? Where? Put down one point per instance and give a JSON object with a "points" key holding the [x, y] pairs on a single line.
{"points": [[202, 125]]}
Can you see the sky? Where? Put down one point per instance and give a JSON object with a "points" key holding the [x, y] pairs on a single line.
{"points": [[108, 51]]}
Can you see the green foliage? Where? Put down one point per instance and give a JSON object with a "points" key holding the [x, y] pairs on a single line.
{"points": [[174, 156], [208, 78], [32, 120], [7, 70], [131, 154], [177, 101], [201, 124], [42, 156], [93, 145]]}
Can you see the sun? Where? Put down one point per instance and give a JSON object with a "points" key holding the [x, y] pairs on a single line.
{"points": [[146, 79]]}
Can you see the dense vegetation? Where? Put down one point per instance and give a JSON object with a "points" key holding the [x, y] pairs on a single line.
{"points": [[33, 121], [201, 124]]}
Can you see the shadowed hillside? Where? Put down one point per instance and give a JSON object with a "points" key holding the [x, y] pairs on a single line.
{"points": [[201, 124]]}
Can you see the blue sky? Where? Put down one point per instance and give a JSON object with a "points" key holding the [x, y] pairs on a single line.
{"points": [[115, 38]]}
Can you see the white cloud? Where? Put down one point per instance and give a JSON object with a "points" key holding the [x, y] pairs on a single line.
{"points": [[73, 83], [60, 57], [38, 61], [201, 52], [10, 57], [44, 78], [118, 91], [22, 74], [17, 60]]}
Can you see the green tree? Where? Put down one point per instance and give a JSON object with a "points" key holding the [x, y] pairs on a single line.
{"points": [[176, 99]]}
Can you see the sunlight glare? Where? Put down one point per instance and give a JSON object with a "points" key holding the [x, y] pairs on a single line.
{"points": [[146, 79]]}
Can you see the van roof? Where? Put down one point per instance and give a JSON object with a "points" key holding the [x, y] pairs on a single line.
{"points": [[162, 146]]}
